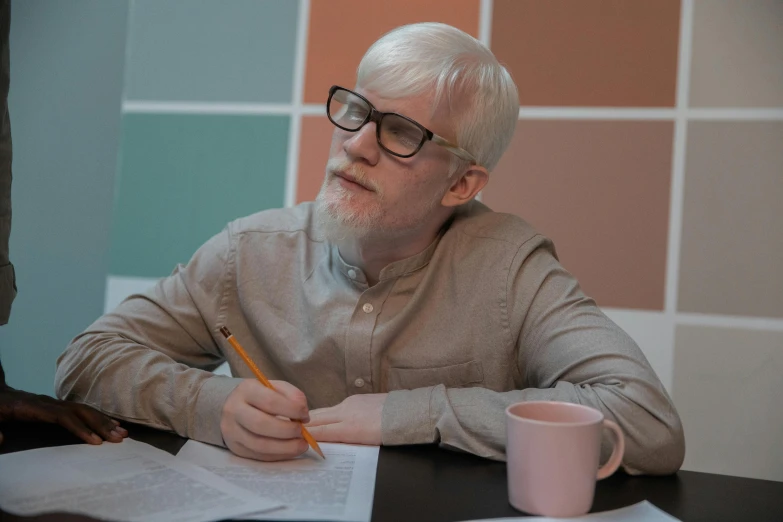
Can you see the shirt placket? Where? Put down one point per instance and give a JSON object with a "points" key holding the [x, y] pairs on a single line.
{"points": [[358, 345]]}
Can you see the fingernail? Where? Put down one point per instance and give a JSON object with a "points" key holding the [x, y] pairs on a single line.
{"points": [[115, 422], [122, 431], [96, 438], [116, 433]]}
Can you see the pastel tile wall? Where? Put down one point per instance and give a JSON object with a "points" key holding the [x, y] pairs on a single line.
{"points": [[649, 147]]}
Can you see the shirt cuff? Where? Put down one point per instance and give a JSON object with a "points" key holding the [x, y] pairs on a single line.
{"points": [[205, 424], [406, 418]]}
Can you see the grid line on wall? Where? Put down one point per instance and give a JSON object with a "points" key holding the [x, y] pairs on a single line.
{"points": [[485, 22], [525, 113], [295, 129], [678, 161]]}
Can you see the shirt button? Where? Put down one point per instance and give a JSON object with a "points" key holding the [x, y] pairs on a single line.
{"points": [[367, 308], [359, 383], [352, 273]]}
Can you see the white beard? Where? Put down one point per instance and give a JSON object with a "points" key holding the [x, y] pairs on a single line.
{"points": [[337, 221]]}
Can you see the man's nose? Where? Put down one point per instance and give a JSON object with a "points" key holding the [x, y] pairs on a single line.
{"points": [[363, 144]]}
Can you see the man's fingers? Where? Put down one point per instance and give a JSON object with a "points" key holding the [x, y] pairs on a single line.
{"points": [[324, 416], [68, 420], [83, 421], [242, 451], [293, 394], [284, 401], [104, 426], [329, 432], [265, 448], [261, 423]]}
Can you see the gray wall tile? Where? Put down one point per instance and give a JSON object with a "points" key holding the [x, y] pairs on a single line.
{"points": [[229, 51], [732, 241]]}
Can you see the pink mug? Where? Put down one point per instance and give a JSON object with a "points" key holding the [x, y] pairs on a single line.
{"points": [[552, 449]]}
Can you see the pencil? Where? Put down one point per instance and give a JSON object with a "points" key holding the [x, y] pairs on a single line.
{"points": [[261, 377]]}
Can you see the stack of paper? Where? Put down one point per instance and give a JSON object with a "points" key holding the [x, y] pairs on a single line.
{"points": [[134, 481], [126, 481], [339, 488]]}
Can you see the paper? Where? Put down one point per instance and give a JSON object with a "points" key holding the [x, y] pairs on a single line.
{"points": [[126, 481], [641, 512], [339, 488]]}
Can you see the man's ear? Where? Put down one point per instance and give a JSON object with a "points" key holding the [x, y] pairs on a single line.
{"points": [[466, 186]]}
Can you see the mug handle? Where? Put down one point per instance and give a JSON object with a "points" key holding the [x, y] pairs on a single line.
{"points": [[617, 453]]}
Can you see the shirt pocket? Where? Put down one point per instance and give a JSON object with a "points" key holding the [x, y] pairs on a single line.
{"points": [[452, 376]]}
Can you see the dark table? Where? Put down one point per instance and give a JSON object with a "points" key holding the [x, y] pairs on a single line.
{"points": [[429, 484]]}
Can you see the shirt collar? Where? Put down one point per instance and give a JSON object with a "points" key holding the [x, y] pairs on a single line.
{"points": [[395, 269]]}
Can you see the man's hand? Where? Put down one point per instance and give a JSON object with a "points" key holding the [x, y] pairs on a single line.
{"points": [[255, 421], [356, 420], [85, 422]]}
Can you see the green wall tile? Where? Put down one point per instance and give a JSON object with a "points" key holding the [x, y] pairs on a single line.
{"points": [[197, 50], [183, 177]]}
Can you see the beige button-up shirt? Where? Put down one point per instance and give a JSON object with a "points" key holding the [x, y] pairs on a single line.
{"points": [[483, 318]]}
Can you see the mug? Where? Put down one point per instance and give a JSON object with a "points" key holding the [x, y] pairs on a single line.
{"points": [[552, 451]]}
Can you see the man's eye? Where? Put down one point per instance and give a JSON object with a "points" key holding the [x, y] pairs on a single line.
{"points": [[356, 113]]}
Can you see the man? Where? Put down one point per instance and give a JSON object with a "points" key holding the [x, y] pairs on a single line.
{"points": [[397, 306], [89, 425]]}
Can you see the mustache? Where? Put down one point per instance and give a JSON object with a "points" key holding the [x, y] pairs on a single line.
{"points": [[352, 169]]}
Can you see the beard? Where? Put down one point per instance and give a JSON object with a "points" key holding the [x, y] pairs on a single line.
{"points": [[343, 214]]}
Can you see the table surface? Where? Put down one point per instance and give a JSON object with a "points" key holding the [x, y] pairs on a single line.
{"points": [[430, 484]]}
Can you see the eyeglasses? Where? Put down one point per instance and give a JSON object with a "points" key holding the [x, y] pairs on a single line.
{"points": [[396, 134]]}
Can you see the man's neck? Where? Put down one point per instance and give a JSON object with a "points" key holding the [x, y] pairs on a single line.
{"points": [[373, 253]]}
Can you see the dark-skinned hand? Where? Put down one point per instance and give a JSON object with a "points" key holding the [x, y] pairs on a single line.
{"points": [[87, 423]]}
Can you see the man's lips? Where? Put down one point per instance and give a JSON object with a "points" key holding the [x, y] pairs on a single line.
{"points": [[352, 180]]}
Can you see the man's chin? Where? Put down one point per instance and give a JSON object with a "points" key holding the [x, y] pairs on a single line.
{"points": [[333, 224]]}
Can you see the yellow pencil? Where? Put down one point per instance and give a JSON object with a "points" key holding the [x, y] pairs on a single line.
{"points": [[260, 376]]}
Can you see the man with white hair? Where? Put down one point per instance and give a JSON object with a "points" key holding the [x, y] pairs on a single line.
{"points": [[400, 308]]}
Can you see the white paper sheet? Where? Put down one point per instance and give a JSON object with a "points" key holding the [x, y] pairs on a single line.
{"points": [[640, 512], [339, 488], [126, 481]]}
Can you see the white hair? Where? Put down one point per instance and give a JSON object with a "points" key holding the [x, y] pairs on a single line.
{"points": [[482, 98]]}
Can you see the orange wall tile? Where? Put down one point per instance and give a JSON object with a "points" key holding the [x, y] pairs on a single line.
{"points": [[342, 30], [611, 53], [316, 138], [600, 190]]}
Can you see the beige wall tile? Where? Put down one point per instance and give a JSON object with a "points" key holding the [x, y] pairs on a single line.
{"points": [[737, 53], [731, 254], [727, 388]]}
